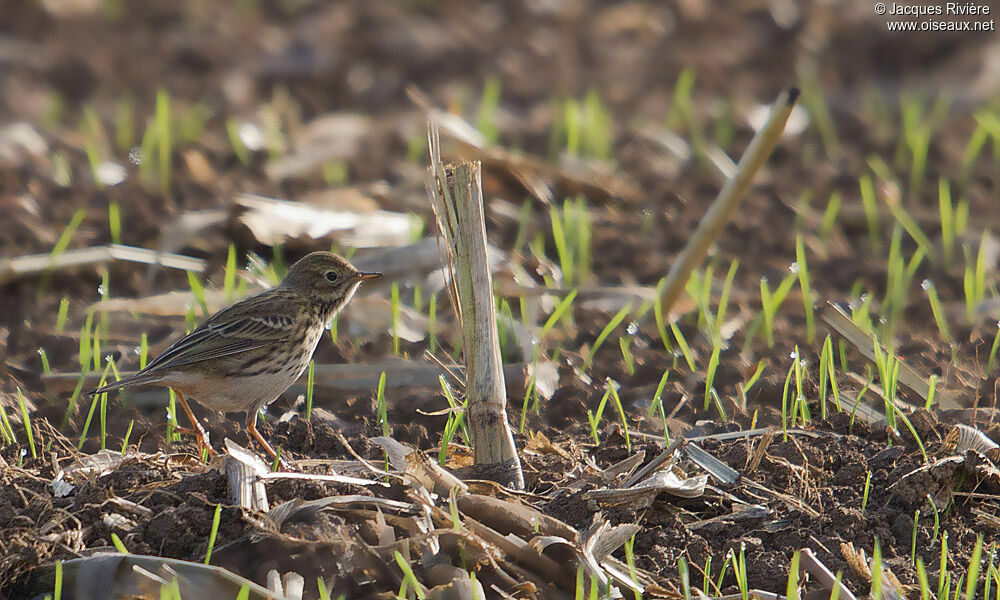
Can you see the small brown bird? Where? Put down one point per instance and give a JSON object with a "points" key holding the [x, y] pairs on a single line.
{"points": [[244, 356]]}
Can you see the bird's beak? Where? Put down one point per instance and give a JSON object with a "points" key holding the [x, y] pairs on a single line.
{"points": [[366, 276]]}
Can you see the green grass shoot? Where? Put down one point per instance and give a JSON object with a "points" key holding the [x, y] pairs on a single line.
{"points": [[868, 202], [625, 345], [938, 311], [119, 545], [807, 297], [309, 389], [557, 315], [239, 148], [381, 406], [432, 323], [63, 314], [229, 279], [713, 365], [867, 489], [128, 434], [395, 318], [26, 421], [212, 535], [199, 292], [115, 222], [594, 418]]}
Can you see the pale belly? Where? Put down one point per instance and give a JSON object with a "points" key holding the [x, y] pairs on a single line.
{"points": [[245, 393]]}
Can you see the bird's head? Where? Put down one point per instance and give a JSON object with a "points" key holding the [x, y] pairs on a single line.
{"points": [[325, 278]]}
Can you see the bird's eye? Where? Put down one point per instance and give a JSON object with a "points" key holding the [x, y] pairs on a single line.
{"points": [[331, 276]]}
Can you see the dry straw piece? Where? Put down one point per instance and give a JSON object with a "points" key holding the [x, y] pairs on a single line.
{"points": [[457, 199]]}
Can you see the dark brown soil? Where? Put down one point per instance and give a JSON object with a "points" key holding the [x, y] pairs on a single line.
{"points": [[57, 68]]}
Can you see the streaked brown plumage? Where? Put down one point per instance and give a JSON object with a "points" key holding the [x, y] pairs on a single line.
{"points": [[244, 356]]}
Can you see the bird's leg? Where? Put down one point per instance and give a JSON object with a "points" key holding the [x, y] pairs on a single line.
{"points": [[252, 428], [200, 434]]}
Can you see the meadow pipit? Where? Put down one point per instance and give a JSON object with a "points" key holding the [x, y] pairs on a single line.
{"points": [[244, 356]]}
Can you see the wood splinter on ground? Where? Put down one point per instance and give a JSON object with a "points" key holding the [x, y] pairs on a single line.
{"points": [[456, 197]]}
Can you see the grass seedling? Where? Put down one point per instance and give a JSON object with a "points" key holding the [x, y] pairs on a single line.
{"points": [[684, 575], [771, 302], [682, 111], [310, 380], [972, 573], [601, 337], [115, 222], [683, 345], [104, 414], [749, 383], [143, 350], [877, 572], [409, 579], [613, 388], [827, 375], [625, 344], [792, 586], [57, 587], [530, 392], [486, 118], [974, 279], [162, 117], [61, 244], [661, 323], [948, 222], [807, 299], [381, 406], [657, 405], [432, 324], [93, 406], [594, 418], [128, 434], [124, 123], [560, 311], [713, 364], [924, 584], [395, 318], [5, 429], [199, 292], [229, 279], [993, 350], [26, 421], [830, 216], [630, 561], [867, 188], [909, 225], [937, 519], [939, 318], [944, 578], [819, 112], [913, 537], [987, 126], [119, 545], [63, 314], [324, 591], [740, 570], [239, 148], [46, 369], [172, 435], [451, 428], [864, 496], [214, 532], [888, 373]]}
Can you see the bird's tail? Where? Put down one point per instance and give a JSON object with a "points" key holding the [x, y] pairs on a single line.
{"points": [[137, 379]]}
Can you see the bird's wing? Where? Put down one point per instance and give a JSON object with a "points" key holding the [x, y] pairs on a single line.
{"points": [[272, 316]]}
